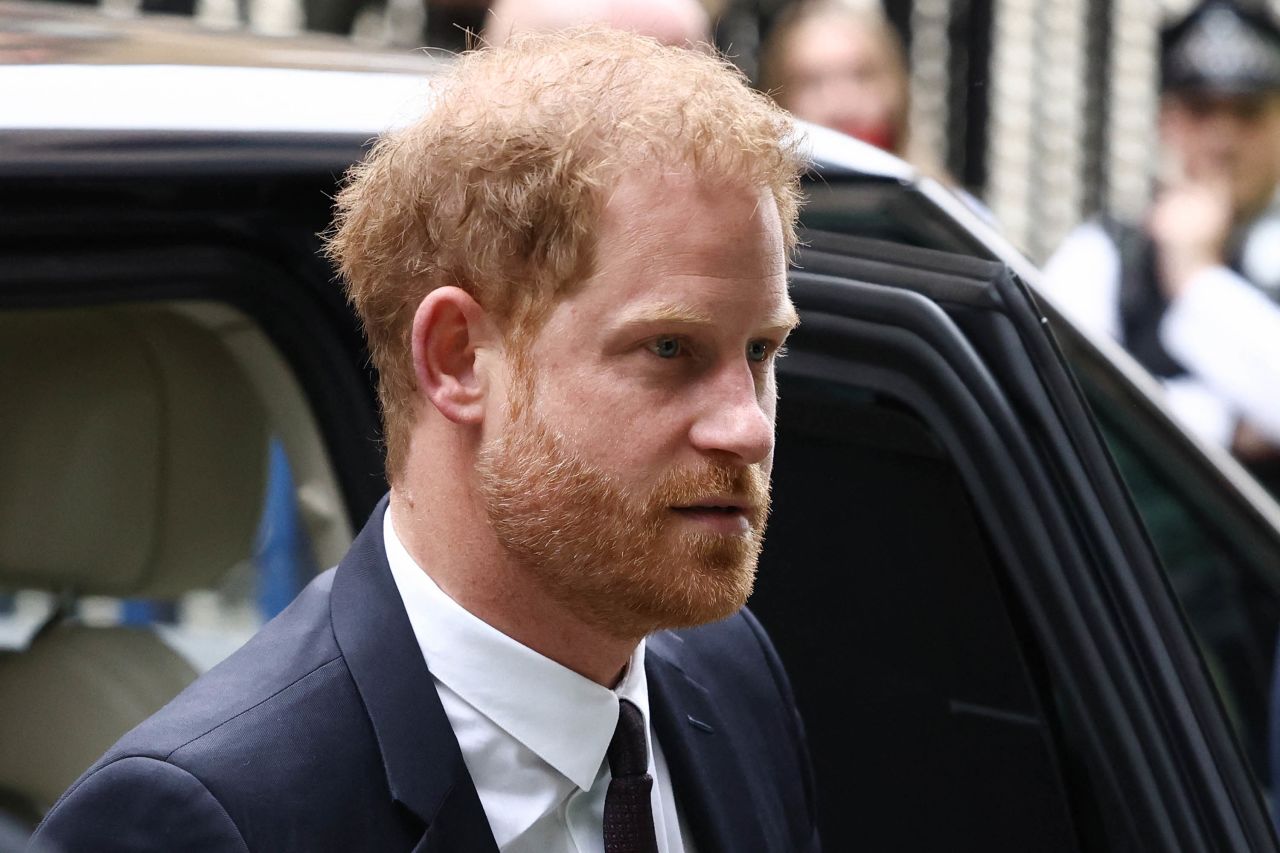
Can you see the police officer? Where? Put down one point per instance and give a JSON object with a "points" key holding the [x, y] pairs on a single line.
{"points": [[1193, 291]]}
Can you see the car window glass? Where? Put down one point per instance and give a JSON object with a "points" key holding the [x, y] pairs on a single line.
{"points": [[881, 210], [1227, 590]]}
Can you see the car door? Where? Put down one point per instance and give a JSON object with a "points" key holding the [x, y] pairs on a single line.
{"points": [[1215, 529], [982, 644]]}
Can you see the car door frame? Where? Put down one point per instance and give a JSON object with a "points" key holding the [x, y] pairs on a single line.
{"points": [[1013, 419]]}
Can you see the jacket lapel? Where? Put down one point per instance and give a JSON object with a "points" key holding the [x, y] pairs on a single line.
{"points": [[420, 753], [707, 772]]}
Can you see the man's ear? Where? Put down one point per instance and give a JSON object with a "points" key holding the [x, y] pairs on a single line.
{"points": [[449, 328]]}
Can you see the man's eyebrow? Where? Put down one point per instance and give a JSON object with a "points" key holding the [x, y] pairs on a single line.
{"points": [[785, 320], [781, 321], [663, 313]]}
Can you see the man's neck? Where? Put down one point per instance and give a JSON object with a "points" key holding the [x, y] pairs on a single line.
{"points": [[468, 563]]}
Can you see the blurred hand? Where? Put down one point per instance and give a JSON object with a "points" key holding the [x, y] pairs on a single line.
{"points": [[1251, 445], [1189, 224]]}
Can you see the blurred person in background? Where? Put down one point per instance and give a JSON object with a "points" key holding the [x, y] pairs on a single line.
{"points": [[842, 65], [672, 22], [1192, 291]]}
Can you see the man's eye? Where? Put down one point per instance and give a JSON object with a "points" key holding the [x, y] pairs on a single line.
{"points": [[666, 347], [758, 350]]}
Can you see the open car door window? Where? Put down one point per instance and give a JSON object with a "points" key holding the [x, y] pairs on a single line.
{"points": [[978, 631]]}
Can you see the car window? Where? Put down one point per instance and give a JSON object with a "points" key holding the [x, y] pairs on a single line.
{"points": [[883, 210], [1223, 566]]}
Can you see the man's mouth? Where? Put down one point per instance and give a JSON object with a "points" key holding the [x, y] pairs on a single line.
{"points": [[720, 515]]}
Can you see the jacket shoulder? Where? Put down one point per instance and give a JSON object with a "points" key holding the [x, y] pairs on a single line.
{"points": [[276, 738], [292, 647], [139, 804]]}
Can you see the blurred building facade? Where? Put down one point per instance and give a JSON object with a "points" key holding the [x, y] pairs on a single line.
{"points": [[1073, 106]]}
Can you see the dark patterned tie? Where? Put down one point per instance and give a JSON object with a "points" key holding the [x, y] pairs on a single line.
{"points": [[628, 812]]}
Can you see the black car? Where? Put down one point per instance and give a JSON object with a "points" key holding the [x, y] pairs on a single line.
{"points": [[1021, 609]]}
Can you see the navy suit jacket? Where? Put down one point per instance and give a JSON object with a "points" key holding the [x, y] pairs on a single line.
{"points": [[325, 732]]}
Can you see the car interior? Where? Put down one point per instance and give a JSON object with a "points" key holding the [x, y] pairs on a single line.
{"points": [[135, 465]]}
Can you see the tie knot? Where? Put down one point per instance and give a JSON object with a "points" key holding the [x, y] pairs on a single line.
{"points": [[628, 751]]}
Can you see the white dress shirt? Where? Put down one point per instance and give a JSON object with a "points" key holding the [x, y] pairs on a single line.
{"points": [[533, 733], [1230, 331]]}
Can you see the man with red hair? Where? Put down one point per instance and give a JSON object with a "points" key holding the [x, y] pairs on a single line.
{"points": [[573, 283]]}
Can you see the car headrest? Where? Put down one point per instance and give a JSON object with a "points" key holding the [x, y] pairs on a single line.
{"points": [[133, 453]]}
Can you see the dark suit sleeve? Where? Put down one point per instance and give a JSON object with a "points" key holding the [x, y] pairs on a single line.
{"points": [[138, 804], [799, 740]]}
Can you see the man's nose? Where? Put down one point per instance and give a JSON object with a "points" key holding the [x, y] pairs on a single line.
{"points": [[736, 417]]}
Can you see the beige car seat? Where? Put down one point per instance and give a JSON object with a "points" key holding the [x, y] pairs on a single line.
{"points": [[133, 461]]}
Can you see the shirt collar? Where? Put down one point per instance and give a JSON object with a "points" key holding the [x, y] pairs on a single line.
{"points": [[567, 720]]}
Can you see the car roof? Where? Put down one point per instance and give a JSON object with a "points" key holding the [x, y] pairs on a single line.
{"points": [[73, 69], [37, 33]]}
